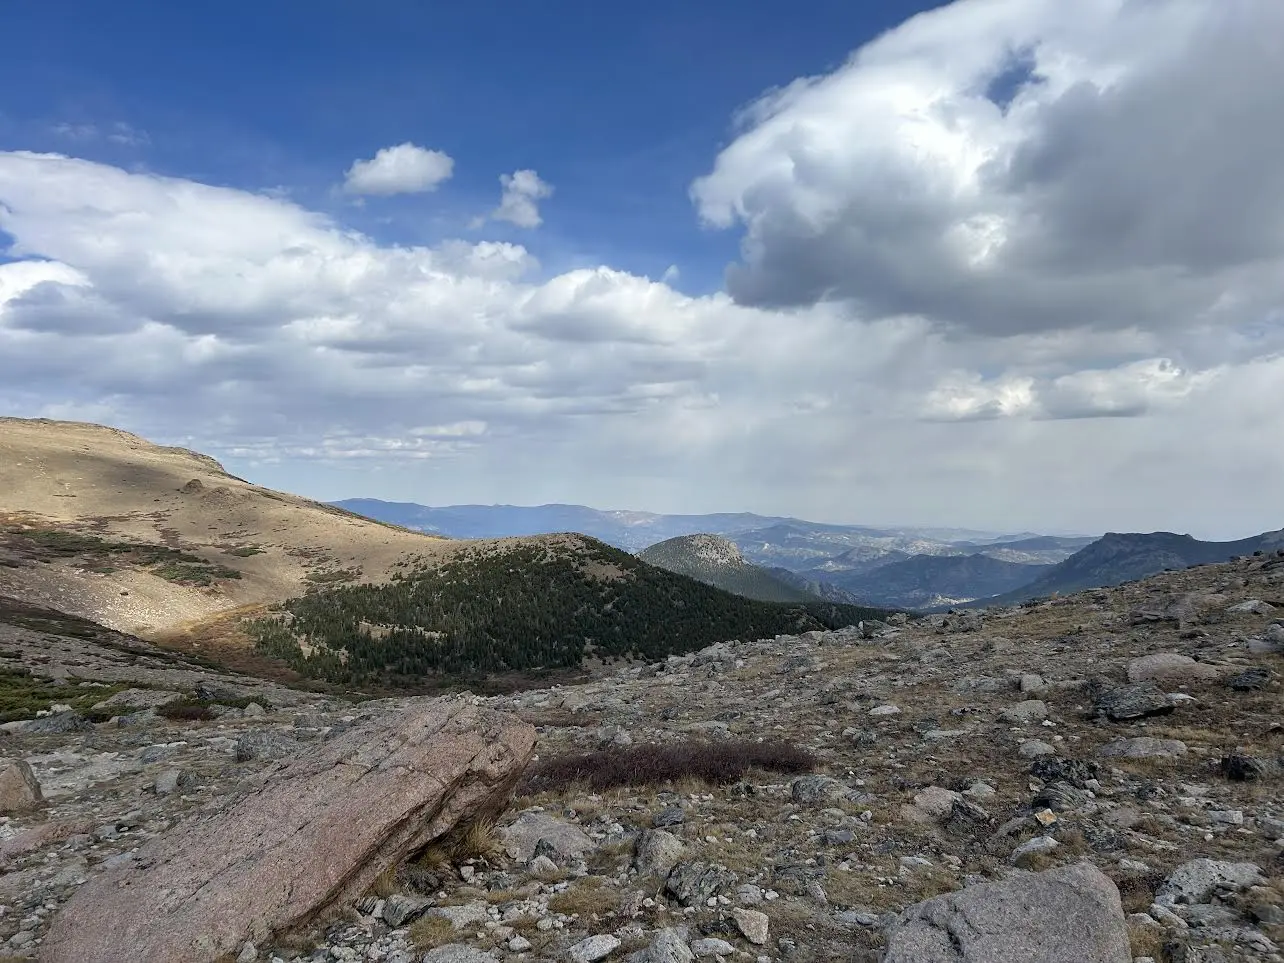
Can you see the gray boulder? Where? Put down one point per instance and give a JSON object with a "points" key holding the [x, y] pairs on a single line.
{"points": [[1200, 879], [1066, 915], [551, 836], [657, 851], [1135, 701], [1170, 667]]}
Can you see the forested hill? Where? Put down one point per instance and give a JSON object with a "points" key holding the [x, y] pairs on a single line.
{"points": [[524, 608]]}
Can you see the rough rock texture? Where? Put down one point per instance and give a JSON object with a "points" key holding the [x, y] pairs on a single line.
{"points": [[310, 834], [1170, 667], [1067, 915], [19, 789]]}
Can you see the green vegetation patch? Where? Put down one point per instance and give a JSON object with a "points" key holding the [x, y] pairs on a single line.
{"points": [[525, 609], [105, 556], [22, 695]]}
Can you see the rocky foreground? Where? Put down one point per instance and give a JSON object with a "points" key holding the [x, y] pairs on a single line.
{"points": [[1095, 778]]}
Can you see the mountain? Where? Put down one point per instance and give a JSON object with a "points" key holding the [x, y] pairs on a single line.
{"points": [[149, 539], [521, 607], [715, 560], [932, 581], [1116, 558], [815, 587], [165, 544]]}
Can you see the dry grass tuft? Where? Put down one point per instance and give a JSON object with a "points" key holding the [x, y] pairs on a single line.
{"points": [[385, 883], [431, 931], [704, 761], [588, 898]]}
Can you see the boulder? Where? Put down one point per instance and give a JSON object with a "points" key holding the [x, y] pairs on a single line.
{"points": [[309, 834], [1066, 915], [1135, 701], [1198, 881], [551, 836], [668, 946], [1170, 667], [657, 851], [19, 789]]}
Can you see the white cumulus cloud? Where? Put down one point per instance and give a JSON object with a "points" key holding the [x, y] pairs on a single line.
{"points": [[1005, 166], [403, 169], [519, 205]]}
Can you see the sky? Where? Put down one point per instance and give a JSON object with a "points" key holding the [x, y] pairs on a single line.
{"points": [[1001, 264]]}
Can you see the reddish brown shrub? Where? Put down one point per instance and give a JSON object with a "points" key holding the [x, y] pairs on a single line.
{"points": [[714, 762]]}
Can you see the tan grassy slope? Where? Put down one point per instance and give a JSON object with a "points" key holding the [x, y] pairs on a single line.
{"points": [[91, 479]]}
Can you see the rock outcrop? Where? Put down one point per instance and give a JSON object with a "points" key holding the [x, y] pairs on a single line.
{"points": [[310, 834], [1067, 915]]}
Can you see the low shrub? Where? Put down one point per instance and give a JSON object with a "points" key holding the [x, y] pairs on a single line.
{"points": [[187, 710], [716, 762]]}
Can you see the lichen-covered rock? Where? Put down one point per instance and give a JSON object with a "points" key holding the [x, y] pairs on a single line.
{"points": [[1066, 915], [310, 834]]}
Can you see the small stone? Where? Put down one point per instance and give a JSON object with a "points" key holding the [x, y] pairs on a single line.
{"points": [[1045, 817], [1027, 854], [1031, 682], [752, 924], [816, 789], [935, 802], [253, 710], [711, 946], [593, 949], [1034, 748], [668, 946], [887, 710], [249, 953], [167, 782], [400, 909], [541, 865], [1032, 710], [669, 816], [519, 944]]}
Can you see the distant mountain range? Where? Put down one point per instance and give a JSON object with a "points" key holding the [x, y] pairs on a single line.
{"points": [[814, 558], [1115, 558]]}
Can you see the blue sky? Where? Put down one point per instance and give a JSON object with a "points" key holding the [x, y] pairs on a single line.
{"points": [[998, 264], [620, 106]]}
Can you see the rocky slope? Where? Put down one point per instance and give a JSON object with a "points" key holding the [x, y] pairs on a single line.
{"points": [[1094, 778], [715, 560]]}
